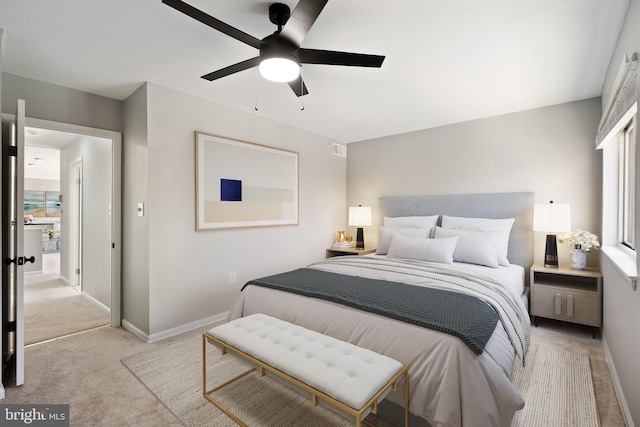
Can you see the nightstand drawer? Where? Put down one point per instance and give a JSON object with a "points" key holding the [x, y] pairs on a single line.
{"points": [[572, 305], [582, 307]]}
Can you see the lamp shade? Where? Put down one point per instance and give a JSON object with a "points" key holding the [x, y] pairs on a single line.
{"points": [[552, 217], [360, 216], [278, 69]]}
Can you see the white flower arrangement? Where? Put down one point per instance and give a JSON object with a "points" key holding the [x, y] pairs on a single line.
{"points": [[580, 239]]}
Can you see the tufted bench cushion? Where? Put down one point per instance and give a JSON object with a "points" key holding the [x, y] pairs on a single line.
{"points": [[347, 373]]}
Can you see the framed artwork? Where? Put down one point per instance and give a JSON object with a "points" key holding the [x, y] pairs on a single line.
{"points": [[242, 184], [34, 203], [52, 203]]}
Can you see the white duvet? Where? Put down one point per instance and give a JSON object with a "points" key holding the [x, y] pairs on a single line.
{"points": [[449, 384]]}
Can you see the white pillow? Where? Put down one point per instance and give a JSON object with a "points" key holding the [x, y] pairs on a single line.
{"points": [[384, 240], [411, 221], [440, 250], [473, 247], [484, 224]]}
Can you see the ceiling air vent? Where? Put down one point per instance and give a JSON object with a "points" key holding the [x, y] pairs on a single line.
{"points": [[339, 150]]}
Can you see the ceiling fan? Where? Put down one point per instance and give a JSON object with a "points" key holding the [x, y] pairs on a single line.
{"points": [[280, 53]]}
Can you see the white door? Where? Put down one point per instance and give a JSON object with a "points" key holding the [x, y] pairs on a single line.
{"points": [[13, 254], [75, 222]]}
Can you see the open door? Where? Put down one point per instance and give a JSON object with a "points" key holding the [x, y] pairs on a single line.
{"points": [[13, 257], [75, 222]]}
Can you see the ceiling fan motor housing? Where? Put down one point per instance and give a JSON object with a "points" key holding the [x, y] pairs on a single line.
{"points": [[279, 47], [279, 14]]}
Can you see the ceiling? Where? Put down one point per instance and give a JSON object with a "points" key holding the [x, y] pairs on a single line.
{"points": [[446, 61], [42, 152]]}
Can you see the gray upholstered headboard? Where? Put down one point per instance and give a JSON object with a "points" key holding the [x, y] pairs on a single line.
{"points": [[488, 205]]}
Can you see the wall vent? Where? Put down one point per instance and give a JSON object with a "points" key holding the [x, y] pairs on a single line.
{"points": [[339, 150]]}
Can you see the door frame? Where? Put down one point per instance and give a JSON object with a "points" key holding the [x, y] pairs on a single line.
{"points": [[116, 201]]}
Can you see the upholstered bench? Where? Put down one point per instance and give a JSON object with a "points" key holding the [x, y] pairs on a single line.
{"points": [[350, 378]]}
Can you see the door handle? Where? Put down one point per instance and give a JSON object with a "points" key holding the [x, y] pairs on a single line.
{"points": [[21, 260], [558, 304], [569, 305]]}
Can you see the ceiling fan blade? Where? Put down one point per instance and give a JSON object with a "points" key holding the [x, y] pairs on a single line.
{"points": [[301, 20], [231, 69], [330, 57], [298, 87], [214, 23]]}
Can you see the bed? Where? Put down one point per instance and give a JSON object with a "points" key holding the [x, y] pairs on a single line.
{"points": [[456, 378]]}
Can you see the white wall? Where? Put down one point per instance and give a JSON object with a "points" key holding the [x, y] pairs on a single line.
{"points": [[96, 258], [188, 271], [41, 184], [621, 305], [548, 151]]}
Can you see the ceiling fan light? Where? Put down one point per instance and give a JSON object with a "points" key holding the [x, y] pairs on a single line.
{"points": [[279, 69]]}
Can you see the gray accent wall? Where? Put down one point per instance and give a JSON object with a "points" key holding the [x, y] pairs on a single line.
{"points": [[60, 104], [548, 151], [621, 306], [179, 275], [135, 229]]}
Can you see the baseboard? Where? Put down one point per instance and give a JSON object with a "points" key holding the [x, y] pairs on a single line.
{"points": [[135, 331], [64, 280], [616, 384], [168, 333], [96, 302]]}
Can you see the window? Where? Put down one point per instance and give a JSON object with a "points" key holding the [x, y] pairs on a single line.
{"points": [[627, 186]]}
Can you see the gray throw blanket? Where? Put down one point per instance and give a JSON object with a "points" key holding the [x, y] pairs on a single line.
{"points": [[464, 316]]}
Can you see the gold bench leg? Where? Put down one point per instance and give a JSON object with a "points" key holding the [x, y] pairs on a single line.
{"points": [[406, 397], [206, 393]]}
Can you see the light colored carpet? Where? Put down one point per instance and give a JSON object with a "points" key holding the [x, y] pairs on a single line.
{"points": [[173, 373], [557, 388], [84, 371], [556, 385], [54, 309]]}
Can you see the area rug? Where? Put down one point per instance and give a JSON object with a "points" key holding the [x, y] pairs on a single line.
{"points": [[557, 389], [54, 309], [555, 384], [173, 373]]}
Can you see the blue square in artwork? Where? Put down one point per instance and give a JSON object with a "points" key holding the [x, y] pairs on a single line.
{"points": [[230, 190]]}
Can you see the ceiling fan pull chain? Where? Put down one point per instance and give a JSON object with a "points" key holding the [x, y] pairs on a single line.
{"points": [[301, 90], [257, 78]]}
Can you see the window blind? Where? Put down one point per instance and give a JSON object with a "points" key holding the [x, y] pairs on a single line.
{"points": [[623, 101]]}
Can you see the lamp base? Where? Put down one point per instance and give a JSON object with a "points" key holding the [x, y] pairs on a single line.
{"points": [[360, 238], [551, 252]]}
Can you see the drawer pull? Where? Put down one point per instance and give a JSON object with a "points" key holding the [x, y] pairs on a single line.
{"points": [[558, 304], [569, 305]]}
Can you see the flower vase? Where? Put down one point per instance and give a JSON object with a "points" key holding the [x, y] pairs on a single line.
{"points": [[578, 260]]}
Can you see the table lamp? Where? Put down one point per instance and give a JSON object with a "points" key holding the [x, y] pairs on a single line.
{"points": [[360, 216], [551, 218]]}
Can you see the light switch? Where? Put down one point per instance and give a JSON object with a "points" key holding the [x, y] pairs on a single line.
{"points": [[140, 209]]}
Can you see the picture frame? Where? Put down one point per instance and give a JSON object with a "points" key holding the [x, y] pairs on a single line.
{"points": [[241, 184], [34, 203], [52, 204]]}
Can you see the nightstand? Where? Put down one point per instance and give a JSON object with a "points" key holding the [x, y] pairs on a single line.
{"points": [[565, 294], [331, 252]]}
